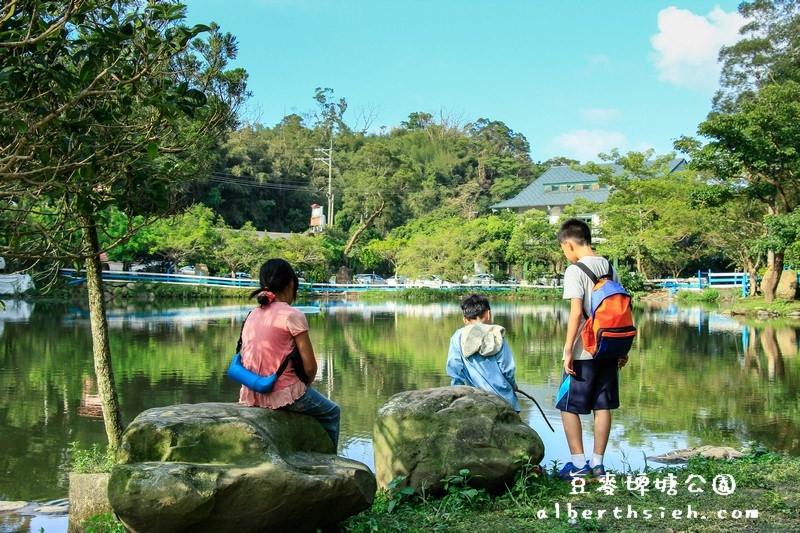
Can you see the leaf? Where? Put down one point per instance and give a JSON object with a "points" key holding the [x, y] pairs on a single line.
{"points": [[20, 125], [198, 97], [152, 150]]}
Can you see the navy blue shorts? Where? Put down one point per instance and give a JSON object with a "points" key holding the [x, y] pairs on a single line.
{"points": [[595, 385]]}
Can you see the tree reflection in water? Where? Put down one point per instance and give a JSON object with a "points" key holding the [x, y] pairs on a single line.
{"points": [[695, 377]]}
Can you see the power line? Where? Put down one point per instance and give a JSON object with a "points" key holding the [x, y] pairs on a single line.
{"points": [[289, 185]]}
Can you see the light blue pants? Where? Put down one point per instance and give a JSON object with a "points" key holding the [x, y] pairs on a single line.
{"points": [[314, 404]]}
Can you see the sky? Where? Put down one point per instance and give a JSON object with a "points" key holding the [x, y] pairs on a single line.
{"points": [[575, 77]]}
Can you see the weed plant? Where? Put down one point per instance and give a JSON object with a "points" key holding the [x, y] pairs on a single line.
{"points": [[95, 460]]}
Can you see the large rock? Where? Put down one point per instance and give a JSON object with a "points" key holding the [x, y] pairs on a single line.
{"points": [[430, 434], [787, 286], [88, 497], [225, 467]]}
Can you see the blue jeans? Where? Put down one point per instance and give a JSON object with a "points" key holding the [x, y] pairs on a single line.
{"points": [[314, 404]]}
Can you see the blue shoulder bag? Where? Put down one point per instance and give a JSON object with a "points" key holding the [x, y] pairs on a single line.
{"points": [[261, 384]]}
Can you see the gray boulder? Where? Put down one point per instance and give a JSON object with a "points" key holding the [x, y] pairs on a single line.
{"points": [[226, 467], [430, 434], [787, 286]]}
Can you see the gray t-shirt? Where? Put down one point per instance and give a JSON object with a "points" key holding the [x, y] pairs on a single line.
{"points": [[578, 285]]}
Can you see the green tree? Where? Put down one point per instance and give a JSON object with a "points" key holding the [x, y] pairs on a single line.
{"points": [[753, 126], [631, 219], [133, 235], [240, 249], [767, 53], [192, 235], [533, 245], [448, 251], [757, 145], [102, 104], [381, 173], [379, 251]]}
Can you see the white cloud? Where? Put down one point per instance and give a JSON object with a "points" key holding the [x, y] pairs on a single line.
{"points": [[584, 145], [687, 45], [598, 60], [599, 115]]}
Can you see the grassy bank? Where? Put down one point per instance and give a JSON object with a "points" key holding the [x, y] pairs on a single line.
{"points": [[732, 303], [757, 307], [417, 294], [765, 482]]}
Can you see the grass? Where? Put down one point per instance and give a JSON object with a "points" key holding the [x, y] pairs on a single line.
{"points": [[765, 482], [95, 460], [709, 294], [755, 304], [423, 294]]}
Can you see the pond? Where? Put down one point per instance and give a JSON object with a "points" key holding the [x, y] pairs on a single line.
{"points": [[695, 377]]}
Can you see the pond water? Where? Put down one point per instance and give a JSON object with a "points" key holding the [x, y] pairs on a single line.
{"points": [[695, 377]]}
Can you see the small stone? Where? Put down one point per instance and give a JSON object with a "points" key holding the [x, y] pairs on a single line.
{"points": [[6, 507], [52, 509]]}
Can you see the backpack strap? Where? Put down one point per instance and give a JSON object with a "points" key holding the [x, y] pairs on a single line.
{"points": [[588, 271], [592, 276], [294, 353], [239, 343]]}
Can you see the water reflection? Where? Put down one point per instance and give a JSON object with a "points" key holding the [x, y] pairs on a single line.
{"points": [[695, 376]]}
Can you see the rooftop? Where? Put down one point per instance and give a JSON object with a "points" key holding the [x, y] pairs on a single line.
{"points": [[561, 185]]}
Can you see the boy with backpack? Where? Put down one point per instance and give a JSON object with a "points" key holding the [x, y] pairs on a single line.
{"points": [[599, 334]]}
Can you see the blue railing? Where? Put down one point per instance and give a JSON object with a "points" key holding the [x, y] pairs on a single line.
{"points": [[79, 276], [721, 280]]}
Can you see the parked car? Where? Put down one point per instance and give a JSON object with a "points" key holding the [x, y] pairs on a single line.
{"points": [[397, 280], [369, 279], [481, 279], [243, 275], [187, 270], [431, 280], [151, 266]]}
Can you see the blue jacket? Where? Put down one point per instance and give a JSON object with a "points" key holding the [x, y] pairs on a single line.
{"points": [[494, 373]]}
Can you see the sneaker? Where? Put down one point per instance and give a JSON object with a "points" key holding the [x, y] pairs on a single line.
{"points": [[598, 471], [570, 472]]}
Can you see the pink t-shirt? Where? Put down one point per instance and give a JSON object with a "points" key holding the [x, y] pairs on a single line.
{"points": [[267, 338]]}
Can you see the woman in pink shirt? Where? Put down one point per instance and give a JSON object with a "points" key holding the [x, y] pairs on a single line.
{"points": [[270, 333]]}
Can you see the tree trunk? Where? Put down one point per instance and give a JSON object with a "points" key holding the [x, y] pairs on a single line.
{"points": [[775, 367], [752, 273], [100, 344], [364, 225], [772, 275]]}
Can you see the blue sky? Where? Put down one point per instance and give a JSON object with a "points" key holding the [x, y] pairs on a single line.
{"points": [[576, 77]]}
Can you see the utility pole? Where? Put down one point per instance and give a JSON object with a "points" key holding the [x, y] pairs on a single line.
{"points": [[328, 159]]}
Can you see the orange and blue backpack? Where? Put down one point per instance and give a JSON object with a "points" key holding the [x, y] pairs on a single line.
{"points": [[608, 331]]}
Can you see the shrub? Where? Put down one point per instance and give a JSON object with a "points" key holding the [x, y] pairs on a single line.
{"points": [[93, 460]]}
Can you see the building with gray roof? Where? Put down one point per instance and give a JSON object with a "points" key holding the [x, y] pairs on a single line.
{"points": [[560, 186]]}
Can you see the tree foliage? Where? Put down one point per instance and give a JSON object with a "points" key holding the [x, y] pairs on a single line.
{"points": [[753, 128], [103, 105]]}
